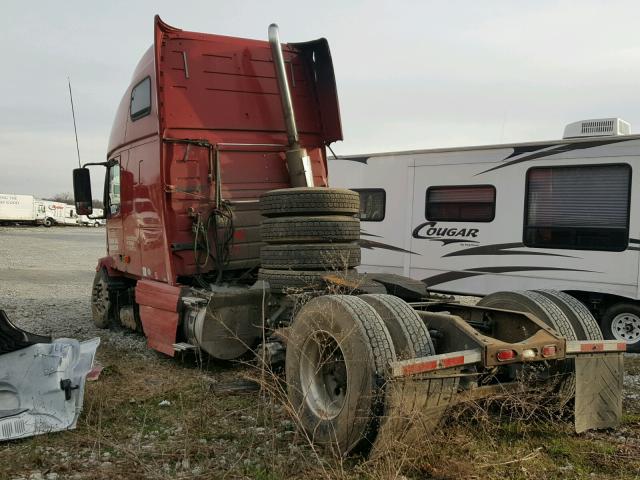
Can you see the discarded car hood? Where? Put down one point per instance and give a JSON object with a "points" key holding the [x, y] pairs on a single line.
{"points": [[42, 386]]}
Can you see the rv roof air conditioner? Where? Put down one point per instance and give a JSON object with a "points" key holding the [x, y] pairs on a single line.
{"points": [[598, 127]]}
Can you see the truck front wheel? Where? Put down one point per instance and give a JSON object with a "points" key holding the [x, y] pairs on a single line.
{"points": [[101, 305]]}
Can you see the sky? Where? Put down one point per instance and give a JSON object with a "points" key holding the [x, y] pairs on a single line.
{"points": [[410, 74]]}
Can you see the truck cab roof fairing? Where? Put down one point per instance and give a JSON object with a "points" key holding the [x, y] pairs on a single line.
{"points": [[201, 76], [123, 129]]}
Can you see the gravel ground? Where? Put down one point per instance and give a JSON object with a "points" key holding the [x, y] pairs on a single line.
{"points": [[45, 282]]}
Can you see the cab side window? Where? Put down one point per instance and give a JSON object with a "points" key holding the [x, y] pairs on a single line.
{"points": [[140, 105]]}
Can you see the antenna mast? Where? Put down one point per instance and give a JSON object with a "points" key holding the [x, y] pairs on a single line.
{"points": [[73, 112]]}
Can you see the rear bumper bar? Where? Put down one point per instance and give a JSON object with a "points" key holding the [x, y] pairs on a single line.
{"points": [[445, 361]]}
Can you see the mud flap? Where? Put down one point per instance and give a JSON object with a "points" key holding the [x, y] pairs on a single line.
{"points": [[598, 402]]}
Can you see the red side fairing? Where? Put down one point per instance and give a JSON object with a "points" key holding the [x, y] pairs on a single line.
{"points": [[223, 92]]}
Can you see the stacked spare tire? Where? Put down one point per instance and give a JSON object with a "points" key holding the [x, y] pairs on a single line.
{"points": [[309, 233]]}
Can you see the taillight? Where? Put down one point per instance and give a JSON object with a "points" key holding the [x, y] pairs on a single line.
{"points": [[504, 355], [548, 351]]}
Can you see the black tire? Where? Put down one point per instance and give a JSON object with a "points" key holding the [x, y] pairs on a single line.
{"points": [[283, 280], [334, 338], [411, 338], [621, 322], [309, 201], [547, 311], [583, 323], [311, 256], [102, 307], [327, 229], [48, 222]]}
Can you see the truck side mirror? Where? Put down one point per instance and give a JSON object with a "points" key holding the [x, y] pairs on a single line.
{"points": [[82, 191]]}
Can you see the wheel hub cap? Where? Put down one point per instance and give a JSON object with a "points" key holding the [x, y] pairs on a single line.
{"points": [[626, 326], [323, 375]]}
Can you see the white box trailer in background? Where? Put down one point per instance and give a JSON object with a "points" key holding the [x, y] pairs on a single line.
{"points": [[21, 209], [561, 215]]}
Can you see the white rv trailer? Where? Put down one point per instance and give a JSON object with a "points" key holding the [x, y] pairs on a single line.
{"points": [[540, 215], [21, 209]]}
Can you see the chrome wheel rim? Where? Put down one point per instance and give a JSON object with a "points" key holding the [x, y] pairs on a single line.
{"points": [[626, 327], [323, 375]]}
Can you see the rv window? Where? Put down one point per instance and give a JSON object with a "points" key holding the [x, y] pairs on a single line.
{"points": [[468, 203], [372, 204], [579, 208], [141, 99]]}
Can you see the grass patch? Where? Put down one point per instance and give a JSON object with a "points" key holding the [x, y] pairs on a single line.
{"points": [[124, 432]]}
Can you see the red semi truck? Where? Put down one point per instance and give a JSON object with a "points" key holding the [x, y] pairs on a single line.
{"points": [[222, 233]]}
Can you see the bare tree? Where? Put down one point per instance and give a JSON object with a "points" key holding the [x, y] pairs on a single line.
{"points": [[64, 197]]}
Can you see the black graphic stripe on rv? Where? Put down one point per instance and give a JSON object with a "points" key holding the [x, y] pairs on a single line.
{"points": [[369, 244], [524, 154], [501, 249], [472, 272], [359, 159], [634, 240]]}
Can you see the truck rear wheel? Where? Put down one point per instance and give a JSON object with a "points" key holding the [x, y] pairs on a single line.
{"points": [[309, 201], [47, 222], [583, 323], [547, 311], [313, 229], [338, 350], [101, 304], [311, 256], [411, 338], [622, 322]]}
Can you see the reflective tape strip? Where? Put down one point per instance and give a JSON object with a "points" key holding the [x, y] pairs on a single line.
{"points": [[596, 347], [435, 362]]}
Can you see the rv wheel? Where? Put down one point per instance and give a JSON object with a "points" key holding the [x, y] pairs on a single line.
{"points": [[47, 222], [338, 350], [622, 322]]}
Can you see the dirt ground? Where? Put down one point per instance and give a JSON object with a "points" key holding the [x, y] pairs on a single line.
{"points": [[149, 417]]}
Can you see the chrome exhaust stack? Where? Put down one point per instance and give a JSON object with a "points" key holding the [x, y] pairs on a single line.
{"points": [[298, 161]]}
